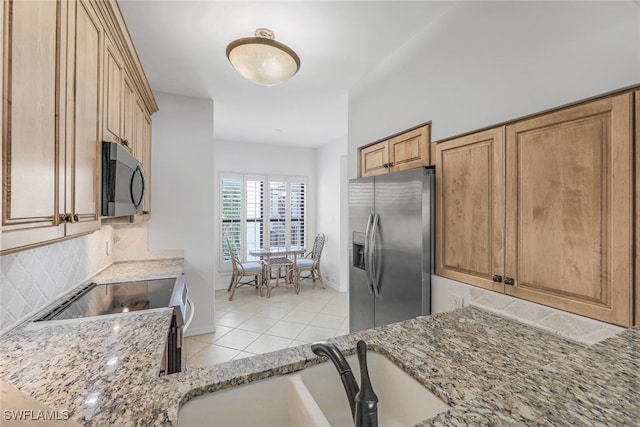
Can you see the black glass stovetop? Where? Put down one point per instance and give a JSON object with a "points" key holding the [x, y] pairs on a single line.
{"points": [[97, 300]]}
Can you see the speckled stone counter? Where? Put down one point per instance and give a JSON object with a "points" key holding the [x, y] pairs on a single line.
{"points": [[126, 271], [489, 369]]}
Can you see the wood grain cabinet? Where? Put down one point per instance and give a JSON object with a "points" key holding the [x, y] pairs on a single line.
{"points": [[566, 217], [129, 115], [405, 151], [142, 151], [83, 154], [113, 104], [470, 204], [637, 211], [64, 90], [50, 130]]}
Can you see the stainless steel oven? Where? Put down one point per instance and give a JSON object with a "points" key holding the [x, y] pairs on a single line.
{"points": [[123, 297]]}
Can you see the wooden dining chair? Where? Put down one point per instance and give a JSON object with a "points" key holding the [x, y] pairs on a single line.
{"points": [[310, 262], [243, 269]]}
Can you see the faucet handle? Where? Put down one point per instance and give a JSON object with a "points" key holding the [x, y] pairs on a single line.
{"points": [[366, 401]]}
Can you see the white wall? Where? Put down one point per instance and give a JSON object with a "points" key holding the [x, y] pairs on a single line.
{"points": [[332, 178], [486, 62], [182, 184], [261, 159]]}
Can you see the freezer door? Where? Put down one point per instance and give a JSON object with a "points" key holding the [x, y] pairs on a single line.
{"points": [[399, 252], [360, 216]]}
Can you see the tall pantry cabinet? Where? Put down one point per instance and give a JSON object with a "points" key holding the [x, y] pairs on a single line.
{"points": [[552, 220], [61, 97]]}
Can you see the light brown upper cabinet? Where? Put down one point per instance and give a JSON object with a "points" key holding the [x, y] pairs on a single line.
{"points": [[565, 217], [142, 151], [405, 151], [129, 113], [113, 93], [146, 164], [59, 73], [470, 209], [32, 144], [637, 212], [374, 159], [83, 120], [568, 199]]}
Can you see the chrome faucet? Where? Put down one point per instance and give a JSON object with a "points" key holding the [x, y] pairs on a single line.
{"points": [[362, 400]]}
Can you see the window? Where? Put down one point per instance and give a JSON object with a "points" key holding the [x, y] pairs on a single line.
{"points": [[260, 211]]}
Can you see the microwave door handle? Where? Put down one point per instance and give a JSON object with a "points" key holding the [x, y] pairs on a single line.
{"points": [[136, 204]]}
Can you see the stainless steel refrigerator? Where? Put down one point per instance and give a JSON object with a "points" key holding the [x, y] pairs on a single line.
{"points": [[391, 231]]}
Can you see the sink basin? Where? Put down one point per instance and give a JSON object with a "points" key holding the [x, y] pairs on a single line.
{"points": [[279, 401], [402, 401], [314, 397]]}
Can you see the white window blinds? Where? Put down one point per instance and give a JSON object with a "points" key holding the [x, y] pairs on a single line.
{"points": [[297, 203], [261, 211], [231, 215]]}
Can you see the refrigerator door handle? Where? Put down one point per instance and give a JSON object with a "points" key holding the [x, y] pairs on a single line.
{"points": [[367, 254], [374, 269]]}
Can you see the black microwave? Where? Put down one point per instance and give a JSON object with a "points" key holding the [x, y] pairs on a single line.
{"points": [[123, 183]]}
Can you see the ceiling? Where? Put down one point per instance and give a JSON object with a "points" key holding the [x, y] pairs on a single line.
{"points": [[181, 45]]}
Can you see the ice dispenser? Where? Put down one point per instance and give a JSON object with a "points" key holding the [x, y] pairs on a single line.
{"points": [[358, 249]]}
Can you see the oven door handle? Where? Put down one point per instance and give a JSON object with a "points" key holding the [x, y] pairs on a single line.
{"points": [[192, 311]]}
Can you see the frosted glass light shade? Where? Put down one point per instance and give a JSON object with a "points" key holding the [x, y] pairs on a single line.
{"points": [[263, 60]]}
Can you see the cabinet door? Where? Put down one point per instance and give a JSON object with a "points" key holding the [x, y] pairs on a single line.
{"points": [[83, 123], [470, 208], [113, 93], [568, 204], [637, 215], [129, 112], [146, 162], [31, 141], [409, 150], [142, 144], [138, 130], [374, 159]]}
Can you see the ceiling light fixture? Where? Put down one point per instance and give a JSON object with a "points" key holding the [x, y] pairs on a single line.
{"points": [[263, 60]]}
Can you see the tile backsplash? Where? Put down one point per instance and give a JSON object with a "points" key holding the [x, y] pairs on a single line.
{"points": [[571, 326], [131, 243], [32, 279]]}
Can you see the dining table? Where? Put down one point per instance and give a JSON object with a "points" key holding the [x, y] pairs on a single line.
{"points": [[275, 259]]}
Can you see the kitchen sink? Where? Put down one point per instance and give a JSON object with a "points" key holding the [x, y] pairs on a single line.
{"points": [[402, 401], [279, 401], [314, 397]]}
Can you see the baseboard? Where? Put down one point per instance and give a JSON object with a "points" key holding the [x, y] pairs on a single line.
{"points": [[211, 329]]}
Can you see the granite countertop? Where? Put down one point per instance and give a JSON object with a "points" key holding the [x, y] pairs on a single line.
{"points": [[131, 271], [491, 370]]}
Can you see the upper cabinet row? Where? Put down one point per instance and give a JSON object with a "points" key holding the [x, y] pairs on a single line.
{"points": [[71, 79], [542, 209], [405, 151]]}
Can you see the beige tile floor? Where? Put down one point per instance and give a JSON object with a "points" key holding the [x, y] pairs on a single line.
{"points": [[251, 325]]}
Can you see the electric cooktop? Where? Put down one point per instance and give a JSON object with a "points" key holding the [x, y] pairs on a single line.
{"points": [[97, 300]]}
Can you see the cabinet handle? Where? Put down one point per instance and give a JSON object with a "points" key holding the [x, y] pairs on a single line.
{"points": [[125, 142], [386, 165], [76, 218], [65, 217], [497, 278], [390, 164], [509, 281]]}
